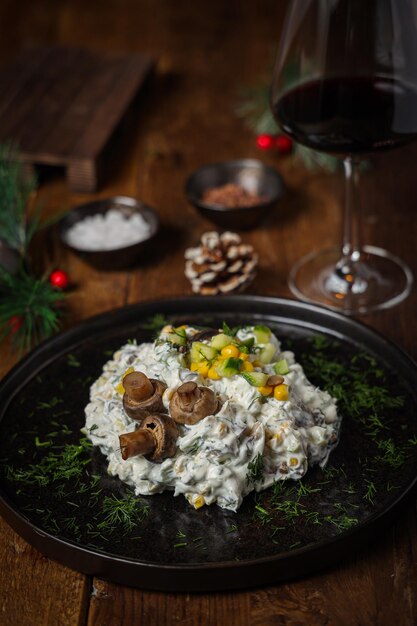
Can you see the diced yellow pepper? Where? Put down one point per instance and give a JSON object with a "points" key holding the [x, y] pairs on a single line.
{"points": [[230, 351], [194, 367], [212, 373], [119, 388], [203, 369], [247, 366], [199, 502], [266, 390], [281, 392]]}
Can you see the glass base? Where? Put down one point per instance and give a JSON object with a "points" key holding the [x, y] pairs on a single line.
{"points": [[377, 280]]}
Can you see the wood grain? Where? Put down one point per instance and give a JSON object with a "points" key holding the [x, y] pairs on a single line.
{"points": [[206, 51], [61, 105]]}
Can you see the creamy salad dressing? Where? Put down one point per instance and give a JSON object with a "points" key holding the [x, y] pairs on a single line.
{"points": [[215, 457]]}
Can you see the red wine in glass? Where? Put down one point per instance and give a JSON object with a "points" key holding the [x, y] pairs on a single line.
{"points": [[350, 115], [345, 83]]}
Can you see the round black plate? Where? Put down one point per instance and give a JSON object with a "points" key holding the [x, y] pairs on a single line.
{"points": [[56, 493]]}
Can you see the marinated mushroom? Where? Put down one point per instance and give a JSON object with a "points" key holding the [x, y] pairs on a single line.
{"points": [[156, 439], [142, 395], [190, 403]]}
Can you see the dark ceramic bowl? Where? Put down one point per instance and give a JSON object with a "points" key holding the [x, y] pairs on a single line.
{"points": [[116, 258], [250, 174]]}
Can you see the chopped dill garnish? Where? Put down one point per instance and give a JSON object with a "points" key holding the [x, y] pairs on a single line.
{"points": [[305, 490], [232, 528], [255, 469], [122, 513], [72, 361], [42, 444], [370, 492], [155, 323], [65, 465], [49, 405], [262, 514], [391, 454]]}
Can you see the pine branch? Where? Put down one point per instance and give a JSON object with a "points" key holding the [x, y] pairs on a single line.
{"points": [[33, 304], [255, 110], [16, 189]]}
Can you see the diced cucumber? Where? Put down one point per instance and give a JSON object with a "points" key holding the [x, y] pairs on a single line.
{"points": [[281, 367], [202, 352], [267, 353], [262, 334], [177, 336], [221, 341], [229, 367], [257, 379]]}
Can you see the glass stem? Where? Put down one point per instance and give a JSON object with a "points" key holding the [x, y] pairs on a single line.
{"points": [[345, 268], [350, 234]]}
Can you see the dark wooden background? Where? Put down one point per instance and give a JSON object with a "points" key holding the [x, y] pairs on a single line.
{"points": [[206, 51]]}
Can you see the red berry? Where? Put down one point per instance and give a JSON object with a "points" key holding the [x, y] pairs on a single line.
{"points": [[59, 279], [283, 144], [265, 141], [15, 323]]}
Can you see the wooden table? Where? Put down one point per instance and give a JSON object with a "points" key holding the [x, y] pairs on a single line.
{"points": [[205, 51]]}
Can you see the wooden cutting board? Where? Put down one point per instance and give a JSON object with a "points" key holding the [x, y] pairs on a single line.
{"points": [[60, 106]]}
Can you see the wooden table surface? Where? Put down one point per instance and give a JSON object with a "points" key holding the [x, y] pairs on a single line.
{"points": [[206, 51]]}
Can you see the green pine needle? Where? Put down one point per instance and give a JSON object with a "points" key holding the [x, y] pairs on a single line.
{"points": [[16, 189], [34, 305], [255, 109]]}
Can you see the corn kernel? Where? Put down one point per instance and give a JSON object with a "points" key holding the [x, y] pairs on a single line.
{"points": [[230, 351], [120, 388], [194, 367], [199, 502], [278, 437], [203, 369], [244, 356], [247, 366], [281, 392], [266, 390], [213, 374], [293, 461]]}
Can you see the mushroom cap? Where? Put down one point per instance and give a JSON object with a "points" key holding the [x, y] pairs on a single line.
{"points": [[165, 433], [189, 404], [138, 410]]}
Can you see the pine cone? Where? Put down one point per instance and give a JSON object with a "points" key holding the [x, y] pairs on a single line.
{"points": [[220, 264]]}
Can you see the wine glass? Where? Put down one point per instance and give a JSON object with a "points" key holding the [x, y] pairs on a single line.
{"points": [[345, 83]]}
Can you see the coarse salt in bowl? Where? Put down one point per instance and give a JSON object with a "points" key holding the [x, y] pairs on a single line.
{"points": [[111, 233]]}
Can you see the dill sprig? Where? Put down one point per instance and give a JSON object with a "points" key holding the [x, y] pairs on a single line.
{"points": [[255, 469], [122, 513], [359, 388], [55, 466]]}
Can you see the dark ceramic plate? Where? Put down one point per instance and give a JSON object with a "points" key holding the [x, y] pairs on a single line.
{"points": [[55, 491]]}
